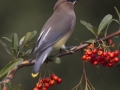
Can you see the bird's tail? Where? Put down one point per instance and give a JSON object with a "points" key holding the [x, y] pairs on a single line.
{"points": [[39, 60]]}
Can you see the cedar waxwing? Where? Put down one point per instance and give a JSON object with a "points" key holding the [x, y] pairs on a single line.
{"points": [[55, 32]]}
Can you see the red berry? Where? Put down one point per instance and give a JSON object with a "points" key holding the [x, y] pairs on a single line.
{"points": [[103, 63], [35, 88], [52, 75], [111, 55], [116, 59], [47, 80], [100, 53], [104, 54], [43, 79], [116, 52], [84, 57], [52, 82], [110, 42], [39, 85], [44, 88], [94, 51], [108, 53], [89, 58], [95, 63], [110, 64], [46, 85], [100, 49], [111, 60], [59, 80], [55, 78], [107, 58]]}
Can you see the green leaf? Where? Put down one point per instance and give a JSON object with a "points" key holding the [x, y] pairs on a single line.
{"points": [[5, 46], [107, 27], [8, 86], [104, 22], [32, 35], [7, 39], [118, 13], [9, 66], [24, 40], [17, 87], [28, 51], [55, 59], [21, 40], [90, 41], [14, 38], [88, 26]]}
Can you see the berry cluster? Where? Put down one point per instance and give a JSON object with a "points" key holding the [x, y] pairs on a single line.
{"points": [[97, 55], [45, 82]]}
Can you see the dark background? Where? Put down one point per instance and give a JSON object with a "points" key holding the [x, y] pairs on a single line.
{"points": [[21, 16]]}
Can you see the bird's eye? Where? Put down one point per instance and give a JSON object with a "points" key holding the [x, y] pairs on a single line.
{"points": [[72, 0]]}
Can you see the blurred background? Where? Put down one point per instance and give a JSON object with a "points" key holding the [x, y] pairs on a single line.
{"points": [[21, 16]]}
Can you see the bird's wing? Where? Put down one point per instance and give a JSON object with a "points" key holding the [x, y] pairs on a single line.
{"points": [[53, 30]]}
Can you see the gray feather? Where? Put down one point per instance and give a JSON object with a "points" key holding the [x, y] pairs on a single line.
{"points": [[41, 57]]}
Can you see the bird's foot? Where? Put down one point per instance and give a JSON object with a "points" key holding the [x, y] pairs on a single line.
{"points": [[68, 49]]}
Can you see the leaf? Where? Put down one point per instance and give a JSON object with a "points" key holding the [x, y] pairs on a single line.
{"points": [[118, 13], [55, 59], [90, 41], [32, 35], [28, 51], [9, 66], [17, 87], [104, 22], [105, 34], [5, 46], [14, 38], [109, 25], [88, 26], [8, 86], [7, 39], [21, 40], [25, 40]]}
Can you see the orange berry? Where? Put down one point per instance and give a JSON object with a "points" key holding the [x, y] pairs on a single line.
{"points": [[100, 53], [35, 88], [84, 57], [52, 82], [55, 78], [39, 85]]}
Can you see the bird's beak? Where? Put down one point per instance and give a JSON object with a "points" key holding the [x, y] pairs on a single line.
{"points": [[74, 1]]}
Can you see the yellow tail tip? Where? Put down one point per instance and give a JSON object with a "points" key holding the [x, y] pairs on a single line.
{"points": [[34, 75]]}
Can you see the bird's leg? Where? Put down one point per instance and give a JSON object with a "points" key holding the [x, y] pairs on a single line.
{"points": [[67, 48]]}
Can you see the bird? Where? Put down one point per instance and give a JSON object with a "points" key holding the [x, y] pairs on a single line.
{"points": [[55, 32]]}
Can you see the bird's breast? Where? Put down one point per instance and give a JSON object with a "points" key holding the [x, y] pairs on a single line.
{"points": [[62, 41]]}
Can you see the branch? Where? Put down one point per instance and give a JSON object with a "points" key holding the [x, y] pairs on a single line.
{"points": [[31, 62]]}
